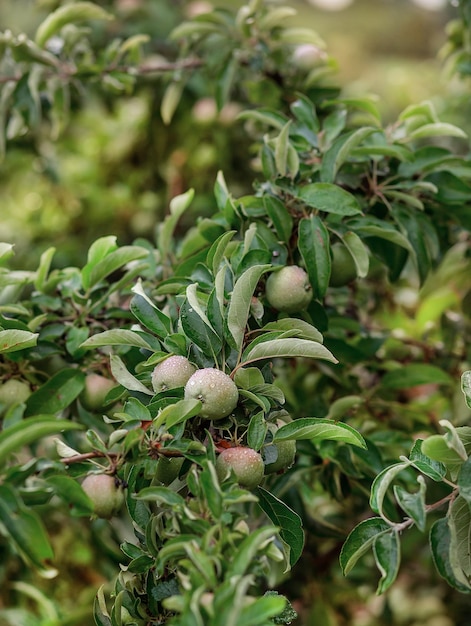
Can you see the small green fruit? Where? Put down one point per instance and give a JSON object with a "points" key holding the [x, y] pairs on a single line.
{"points": [[215, 389], [289, 290], [168, 468], [171, 373], [247, 465], [14, 391], [343, 266], [95, 391], [286, 453], [106, 495]]}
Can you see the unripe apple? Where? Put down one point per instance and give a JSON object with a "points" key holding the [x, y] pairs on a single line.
{"points": [[215, 389], [95, 390], [107, 496], [247, 465], [171, 373], [343, 266], [289, 290], [286, 453], [14, 391], [307, 56], [167, 469]]}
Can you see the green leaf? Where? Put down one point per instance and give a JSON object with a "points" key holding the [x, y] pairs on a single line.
{"points": [[433, 469], [198, 329], [161, 495], [177, 413], [178, 205], [216, 252], [261, 612], [170, 100], [148, 314], [436, 447], [459, 522], [280, 216], [440, 544], [125, 378], [340, 150], [359, 252], [69, 14], [256, 431], [247, 550], [94, 273], [413, 504], [26, 531], [438, 129], [287, 347], [212, 490], [381, 484], [13, 340], [239, 307], [117, 337], [360, 540], [30, 430], [387, 553], [225, 81], [464, 480], [466, 387], [43, 269], [330, 198], [289, 522], [303, 329], [319, 429], [281, 143], [57, 393], [314, 246], [414, 374]]}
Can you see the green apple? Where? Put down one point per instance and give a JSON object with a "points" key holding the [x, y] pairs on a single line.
{"points": [[216, 391], [247, 465], [286, 451], [289, 290], [171, 373], [105, 493], [14, 391], [95, 391], [343, 266]]}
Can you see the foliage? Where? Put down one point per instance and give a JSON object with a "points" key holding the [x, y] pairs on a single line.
{"points": [[369, 366]]}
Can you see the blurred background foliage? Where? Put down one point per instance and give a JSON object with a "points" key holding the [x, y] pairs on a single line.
{"points": [[115, 165]]}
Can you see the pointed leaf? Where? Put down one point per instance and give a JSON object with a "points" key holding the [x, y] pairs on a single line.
{"points": [[330, 198], [314, 246], [360, 540], [57, 393], [387, 553], [319, 429], [241, 298], [288, 347], [289, 522], [13, 340]]}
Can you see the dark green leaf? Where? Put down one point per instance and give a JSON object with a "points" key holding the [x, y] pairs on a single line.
{"points": [[440, 544], [289, 522], [26, 531], [57, 393], [387, 553], [329, 198], [257, 431], [413, 504], [360, 540], [314, 246]]}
